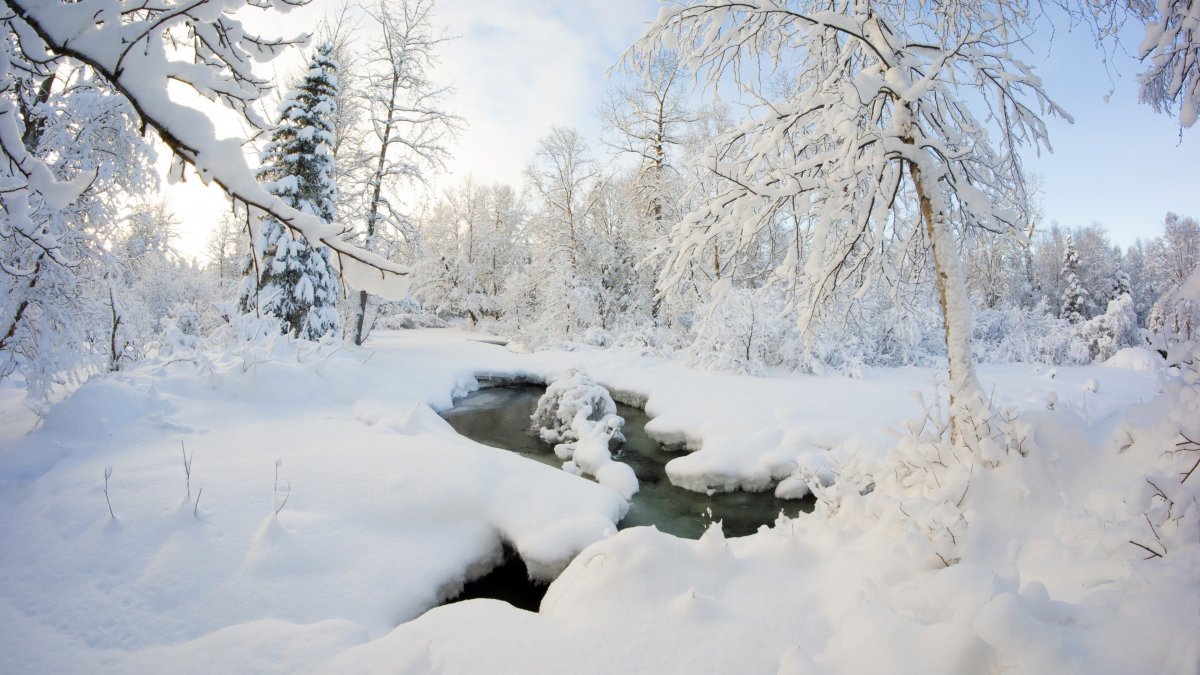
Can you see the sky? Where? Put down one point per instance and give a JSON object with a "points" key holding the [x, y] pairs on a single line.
{"points": [[519, 67]]}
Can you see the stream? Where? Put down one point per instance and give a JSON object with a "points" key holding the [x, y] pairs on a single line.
{"points": [[499, 417]]}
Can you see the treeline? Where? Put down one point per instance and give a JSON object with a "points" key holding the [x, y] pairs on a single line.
{"points": [[738, 244], [578, 257]]}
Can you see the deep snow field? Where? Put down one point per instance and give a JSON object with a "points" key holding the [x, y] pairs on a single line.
{"points": [[330, 508]]}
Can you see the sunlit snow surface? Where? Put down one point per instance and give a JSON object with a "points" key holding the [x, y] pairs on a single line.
{"points": [[388, 510]]}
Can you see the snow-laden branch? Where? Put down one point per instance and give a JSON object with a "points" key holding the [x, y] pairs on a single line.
{"points": [[879, 124], [127, 43]]}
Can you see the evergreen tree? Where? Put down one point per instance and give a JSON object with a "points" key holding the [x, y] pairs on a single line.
{"points": [[1074, 297], [296, 283], [1122, 285]]}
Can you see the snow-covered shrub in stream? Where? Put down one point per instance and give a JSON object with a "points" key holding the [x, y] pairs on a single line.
{"points": [[568, 403], [581, 417]]}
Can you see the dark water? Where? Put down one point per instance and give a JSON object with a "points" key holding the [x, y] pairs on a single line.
{"points": [[509, 582], [499, 417]]}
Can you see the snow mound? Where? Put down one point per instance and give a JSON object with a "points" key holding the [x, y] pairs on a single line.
{"points": [[576, 409], [1136, 358], [570, 401]]}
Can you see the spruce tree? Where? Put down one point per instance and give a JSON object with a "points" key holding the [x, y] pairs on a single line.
{"points": [[1074, 297], [296, 283], [1122, 285]]}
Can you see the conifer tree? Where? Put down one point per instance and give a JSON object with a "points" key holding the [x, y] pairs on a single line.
{"points": [[286, 277], [1074, 298], [1122, 285]]}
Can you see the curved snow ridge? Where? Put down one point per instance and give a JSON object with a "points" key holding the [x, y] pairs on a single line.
{"points": [[343, 497]]}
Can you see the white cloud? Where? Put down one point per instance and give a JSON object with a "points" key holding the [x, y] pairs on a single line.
{"points": [[520, 67]]}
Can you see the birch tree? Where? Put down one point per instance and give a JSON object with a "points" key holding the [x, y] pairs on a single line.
{"points": [[409, 129], [894, 111]]}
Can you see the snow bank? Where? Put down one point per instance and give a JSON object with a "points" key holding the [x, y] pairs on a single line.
{"points": [[387, 511], [1046, 575], [1136, 358]]}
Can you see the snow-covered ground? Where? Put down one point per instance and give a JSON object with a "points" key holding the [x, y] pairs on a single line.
{"points": [[330, 507]]}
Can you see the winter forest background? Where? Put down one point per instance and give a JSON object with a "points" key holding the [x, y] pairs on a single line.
{"points": [[594, 247], [806, 251]]}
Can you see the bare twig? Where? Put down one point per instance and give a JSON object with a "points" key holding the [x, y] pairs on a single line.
{"points": [[196, 508], [1152, 552], [187, 468], [285, 498], [107, 475], [1190, 471]]}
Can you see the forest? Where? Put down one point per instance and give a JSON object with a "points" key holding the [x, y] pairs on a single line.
{"points": [[805, 245]]}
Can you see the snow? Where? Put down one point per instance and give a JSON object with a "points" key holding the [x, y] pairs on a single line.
{"points": [[1136, 358], [388, 512]]}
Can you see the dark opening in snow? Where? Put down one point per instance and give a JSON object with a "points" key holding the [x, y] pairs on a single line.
{"points": [[509, 582], [499, 417]]}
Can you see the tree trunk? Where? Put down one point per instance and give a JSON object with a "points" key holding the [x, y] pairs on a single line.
{"points": [[360, 319], [952, 294]]}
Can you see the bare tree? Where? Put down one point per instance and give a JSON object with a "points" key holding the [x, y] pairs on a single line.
{"points": [[224, 246], [409, 127], [649, 119]]}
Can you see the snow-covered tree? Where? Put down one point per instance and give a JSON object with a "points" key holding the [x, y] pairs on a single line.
{"points": [[137, 49], [162, 297], [469, 248], [1113, 330], [873, 132], [224, 246], [1143, 283], [648, 120], [409, 129], [565, 249], [61, 129], [1122, 285], [1171, 51], [1180, 247], [288, 279], [1074, 297]]}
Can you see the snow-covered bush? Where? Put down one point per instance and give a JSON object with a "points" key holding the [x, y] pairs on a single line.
{"points": [[1113, 330], [921, 491], [651, 340], [581, 417], [407, 313], [1175, 317], [569, 404], [1165, 513], [1018, 335], [742, 332]]}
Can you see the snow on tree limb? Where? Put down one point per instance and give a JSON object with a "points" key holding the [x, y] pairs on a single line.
{"points": [[880, 127], [1171, 50], [127, 42]]}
